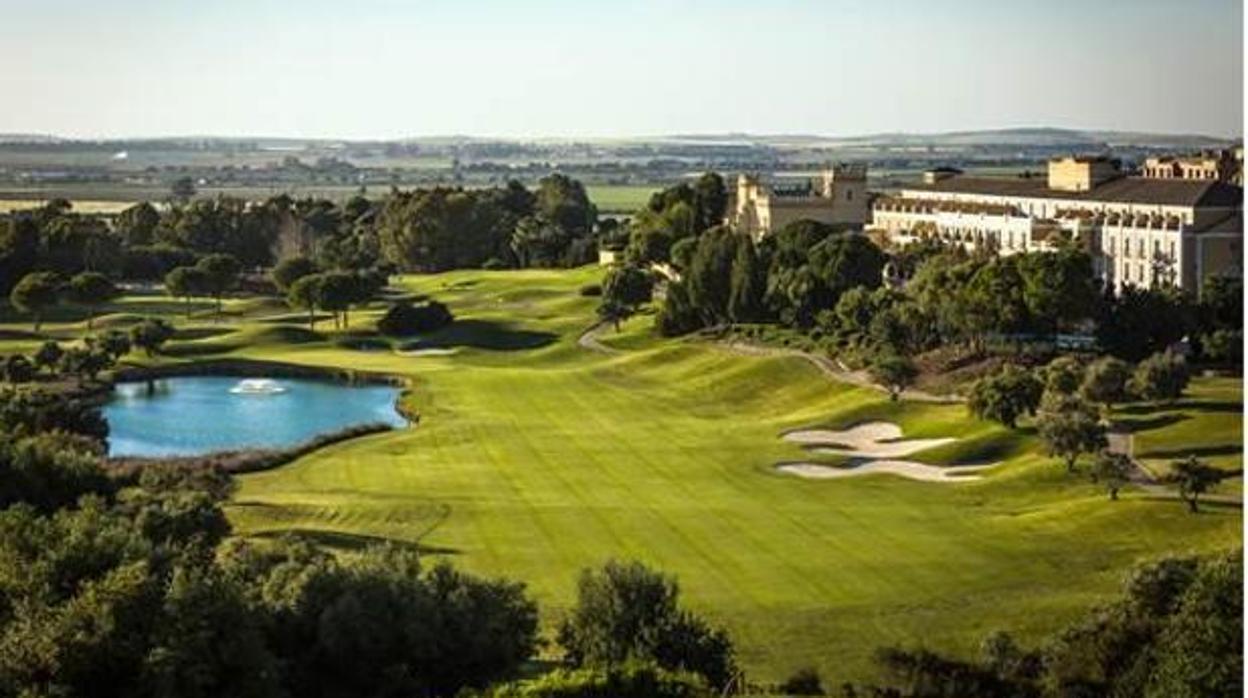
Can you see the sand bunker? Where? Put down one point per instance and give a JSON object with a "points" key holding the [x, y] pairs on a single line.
{"points": [[867, 440], [427, 352], [904, 468], [873, 447]]}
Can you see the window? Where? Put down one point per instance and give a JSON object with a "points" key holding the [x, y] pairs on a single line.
{"points": [[849, 194]]}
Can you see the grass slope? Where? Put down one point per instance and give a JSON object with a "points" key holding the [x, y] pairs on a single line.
{"points": [[535, 458]]}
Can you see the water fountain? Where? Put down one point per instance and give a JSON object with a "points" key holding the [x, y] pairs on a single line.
{"points": [[258, 386]]}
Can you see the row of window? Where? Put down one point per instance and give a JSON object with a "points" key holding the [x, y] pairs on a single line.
{"points": [[1139, 247]]}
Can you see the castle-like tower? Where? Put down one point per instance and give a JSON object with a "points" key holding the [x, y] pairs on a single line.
{"points": [[837, 196]]}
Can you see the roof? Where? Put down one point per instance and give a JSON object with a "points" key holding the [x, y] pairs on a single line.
{"points": [[1139, 190]]}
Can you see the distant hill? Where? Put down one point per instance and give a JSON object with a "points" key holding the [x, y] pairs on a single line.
{"points": [[1037, 137]]}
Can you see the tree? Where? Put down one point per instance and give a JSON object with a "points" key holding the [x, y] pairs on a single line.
{"points": [[182, 189], [677, 315], [115, 343], [137, 224], [1113, 470], [1161, 376], [1200, 652], [1138, 322], [35, 293], [895, 372], [220, 274], [288, 271], [404, 319], [1224, 345], [1222, 303], [91, 289], [18, 369], [748, 285], [1063, 375], [1105, 381], [1194, 478], [306, 293], [613, 311], [19, 249], [186, 282], [48, 355], [150, 335], [1006, 396], [1059, 288], [624, 290], [710, 200], [627, 611], [1069, 427]]}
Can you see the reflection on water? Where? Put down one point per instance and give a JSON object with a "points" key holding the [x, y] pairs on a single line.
{"points": [[200, 414]]}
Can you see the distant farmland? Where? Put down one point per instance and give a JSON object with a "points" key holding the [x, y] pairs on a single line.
{"points": [[612, 198], [110, 198]]}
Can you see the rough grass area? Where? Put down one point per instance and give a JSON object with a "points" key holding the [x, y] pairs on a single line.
{"points": [[536, 457]]}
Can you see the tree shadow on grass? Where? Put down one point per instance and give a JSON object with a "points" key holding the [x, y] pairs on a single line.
{"points": [[1198, 451], [1149, 423], [1188, 404], [351, 542], [483, 334]]}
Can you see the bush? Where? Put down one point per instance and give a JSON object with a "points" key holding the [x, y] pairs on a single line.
{"points": [[591, 290], [404, 319], [634, 680], [1161, 376], [803, 682], [627, 611]]}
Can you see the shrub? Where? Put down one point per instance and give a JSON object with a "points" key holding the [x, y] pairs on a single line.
{"points": [[633, 680], [591, 290], [803, 682], [404, 319], [1006, 396], [18, 369], [627, 611], [1161, 376]]}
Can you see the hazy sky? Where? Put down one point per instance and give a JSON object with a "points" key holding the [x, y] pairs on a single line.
{"points": [[577, 68]]}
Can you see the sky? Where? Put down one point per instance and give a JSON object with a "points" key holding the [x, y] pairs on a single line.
{"points": [[365, 69]]}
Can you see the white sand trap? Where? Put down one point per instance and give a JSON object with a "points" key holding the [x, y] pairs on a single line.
{"points": [[866, 440], [902, 468], [427, 352]]}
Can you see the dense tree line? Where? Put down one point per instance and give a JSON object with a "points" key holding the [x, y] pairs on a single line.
{"points": [[443, 228]]}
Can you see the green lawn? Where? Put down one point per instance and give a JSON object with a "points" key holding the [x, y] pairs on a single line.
{"points": [[619, 198], [535, 457]]}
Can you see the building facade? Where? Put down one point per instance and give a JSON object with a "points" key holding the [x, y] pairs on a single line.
{"points": [[1143, 231], [1219, 165], [838, 196]]}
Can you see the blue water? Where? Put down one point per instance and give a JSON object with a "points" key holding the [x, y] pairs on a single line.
{"points": [[194, 415]]}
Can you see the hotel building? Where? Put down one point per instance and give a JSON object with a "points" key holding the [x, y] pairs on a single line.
{"points": [[1150, 230]]}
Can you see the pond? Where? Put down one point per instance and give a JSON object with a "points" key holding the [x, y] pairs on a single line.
{"points": [[193, 415]]}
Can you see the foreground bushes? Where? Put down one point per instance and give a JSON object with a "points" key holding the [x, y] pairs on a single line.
{"points": [[627, 612], [633, 680]]}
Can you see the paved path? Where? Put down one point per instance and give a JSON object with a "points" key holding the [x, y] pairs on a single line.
{"points": [[835, 370], [589, 339], [1123, 442]]}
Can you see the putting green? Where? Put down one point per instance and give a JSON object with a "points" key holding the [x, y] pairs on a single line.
{"points": [[535, 457]]}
